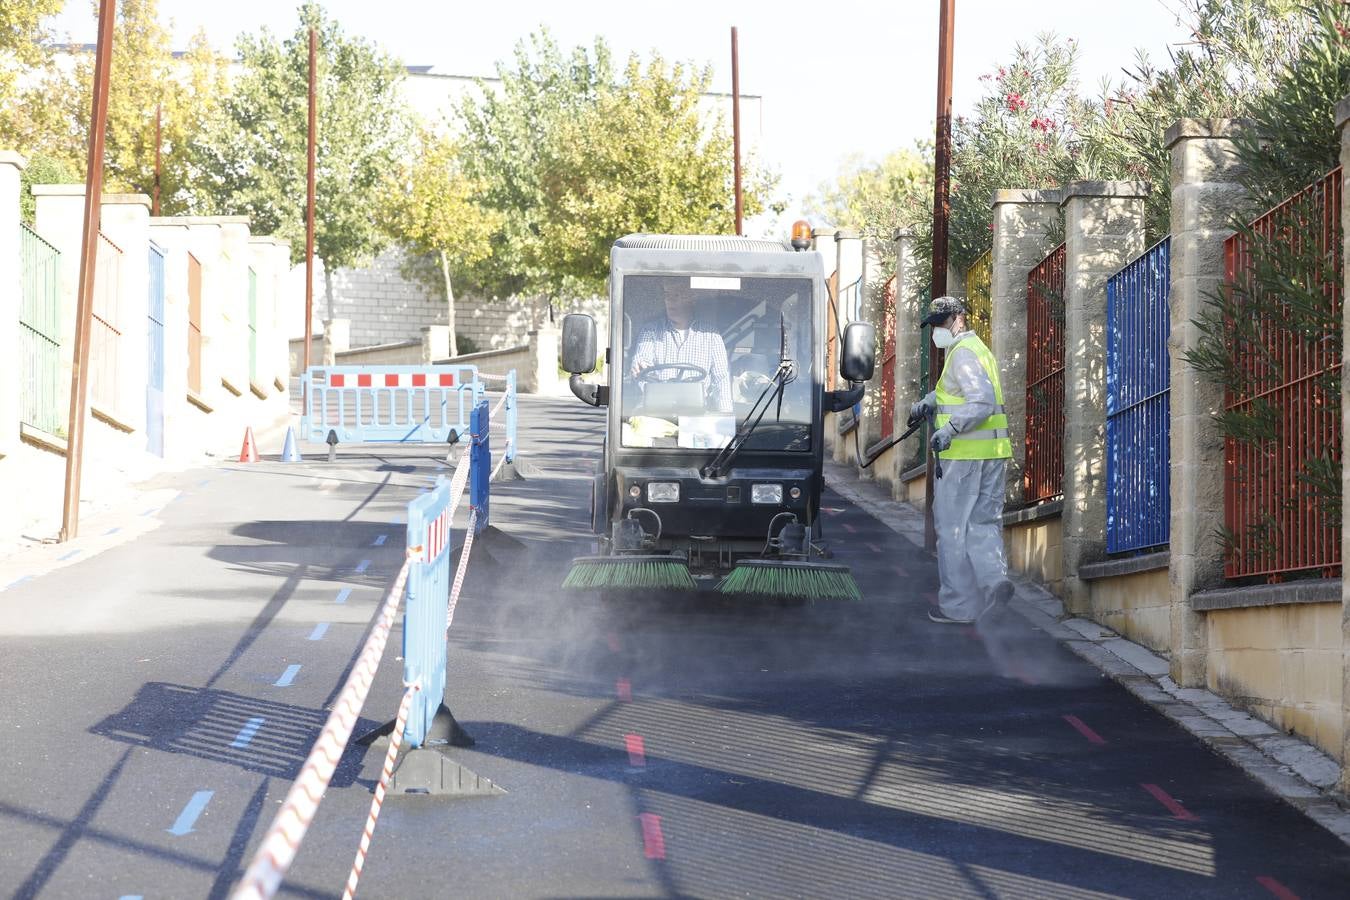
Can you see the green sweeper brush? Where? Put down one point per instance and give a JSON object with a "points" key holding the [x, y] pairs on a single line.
{"points": [[791, 580], [635, 572]]}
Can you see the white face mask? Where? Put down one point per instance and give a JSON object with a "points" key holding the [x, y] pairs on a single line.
{"points": [[943, 338]]}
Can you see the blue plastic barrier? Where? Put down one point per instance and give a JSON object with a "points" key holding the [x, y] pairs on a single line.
{"points": [[373, 404], [480, 464], [427, 603]]}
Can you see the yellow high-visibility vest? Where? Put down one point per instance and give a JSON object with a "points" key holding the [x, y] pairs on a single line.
{"points": [[989, 439]]}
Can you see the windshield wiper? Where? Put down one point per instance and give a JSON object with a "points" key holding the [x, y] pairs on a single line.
{"points": [[786, 374]]}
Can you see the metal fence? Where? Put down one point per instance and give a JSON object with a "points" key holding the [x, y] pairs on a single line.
{"points": [[194, 366], [1276, 522], [105, 335], [1043, 475], [887, 400], [979, 300], [1138, 402], [39, 333]]}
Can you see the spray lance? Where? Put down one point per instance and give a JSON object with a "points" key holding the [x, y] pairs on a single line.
{"points": [[914, 423]]}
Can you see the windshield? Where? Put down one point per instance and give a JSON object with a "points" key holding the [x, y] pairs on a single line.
{"points": [[698, 351]]}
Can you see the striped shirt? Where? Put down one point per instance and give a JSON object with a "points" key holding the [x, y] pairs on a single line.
{"points": [[661, 343]]}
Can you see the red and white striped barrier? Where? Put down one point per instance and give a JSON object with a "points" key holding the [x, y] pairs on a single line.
{"points": [[277, 852], [376, 804], [393, 379]]}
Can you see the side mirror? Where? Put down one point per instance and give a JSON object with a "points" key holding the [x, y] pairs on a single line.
{"points": [[857, 358], [578, 344]]}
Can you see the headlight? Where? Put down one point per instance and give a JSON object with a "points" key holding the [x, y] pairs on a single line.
{"points": [[663, 492], [766, 493]]}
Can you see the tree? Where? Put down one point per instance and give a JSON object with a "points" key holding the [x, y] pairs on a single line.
{"points": [[253, 160], [23, 46], [876, 199], [574, 154], [145, 76], [434, 210]]}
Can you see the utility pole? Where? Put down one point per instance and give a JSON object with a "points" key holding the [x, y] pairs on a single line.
{"points": [[93, 200], [309, 200], [736, 124], [159, 112], [942, 164]]}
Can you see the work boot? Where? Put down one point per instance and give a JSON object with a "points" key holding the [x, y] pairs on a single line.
{"points": [[1002, 593], [935, 615]]}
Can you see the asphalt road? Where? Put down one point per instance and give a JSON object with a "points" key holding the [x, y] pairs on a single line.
{"points": [[702, 749]]}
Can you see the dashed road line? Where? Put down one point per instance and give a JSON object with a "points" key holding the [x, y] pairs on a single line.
{"points": [[1083, 729], [247, 733], [111, 531], [319, 631], [188, 817], [18, 581], [637, 752], [362, 566], [848, 527], [343, 595], [1276, 888], [379, 541], [288, 676], [71, 555], [1175, 808], [653, 842]]}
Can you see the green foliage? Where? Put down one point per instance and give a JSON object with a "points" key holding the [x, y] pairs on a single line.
{"points": [[253, 159], [876, 199], [41, 169], [575, 152], [23, 46]]}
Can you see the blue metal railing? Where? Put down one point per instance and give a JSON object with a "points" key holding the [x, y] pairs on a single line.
{"points": [[1138, 409]]}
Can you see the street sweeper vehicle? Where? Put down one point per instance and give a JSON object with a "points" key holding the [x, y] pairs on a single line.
{"points": [[710, 476]]}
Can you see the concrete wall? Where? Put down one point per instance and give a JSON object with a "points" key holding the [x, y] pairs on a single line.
{"points": [[1283, 663], [1138, 606], [1036, 549]]}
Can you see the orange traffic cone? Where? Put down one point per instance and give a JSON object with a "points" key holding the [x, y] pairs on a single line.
{"points": [[249, 452]]}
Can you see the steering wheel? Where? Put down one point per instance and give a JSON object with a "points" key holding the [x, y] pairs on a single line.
{"points": [[687, 373]]}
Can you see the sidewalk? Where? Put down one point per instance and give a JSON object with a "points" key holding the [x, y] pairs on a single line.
{"points": [[1297, 772]]}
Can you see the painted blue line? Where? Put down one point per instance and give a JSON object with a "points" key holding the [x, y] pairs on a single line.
{"points": [[188, 817], [131, 897], [18, 581], [203, 483], [379, 541], [71, 555], [111, 531], [319, 631], [343, 595], [288, 676], [362, 566], [247, 732], [149, 512]]}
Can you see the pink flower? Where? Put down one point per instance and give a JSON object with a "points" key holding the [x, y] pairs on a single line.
{"points": [[1040, 147], [1015, 102]]}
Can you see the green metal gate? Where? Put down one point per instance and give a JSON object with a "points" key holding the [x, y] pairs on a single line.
{"points": [[40, 333]]}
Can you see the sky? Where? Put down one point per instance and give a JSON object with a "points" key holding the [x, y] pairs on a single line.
{"points": [[838, 79]]}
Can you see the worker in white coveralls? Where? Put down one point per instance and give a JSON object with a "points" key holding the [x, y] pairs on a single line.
{"points": [[972, 442]]}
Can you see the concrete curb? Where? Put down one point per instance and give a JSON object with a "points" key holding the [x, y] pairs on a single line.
{"points": [[1294, 770]]}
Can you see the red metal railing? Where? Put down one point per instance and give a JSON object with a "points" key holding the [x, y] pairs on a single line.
{"points": [[105, 333], [888, 360], [1275, 520], [194, 367], [1043, 475]]}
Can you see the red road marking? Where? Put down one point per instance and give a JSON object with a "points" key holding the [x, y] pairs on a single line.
{"points": [[624, 688], [637, 754], [1084, 730], [613, 640], [1175, 808], [849, 528], [900, 572], [931, 598], [1276, 888], [653, 843], [874, 548]]}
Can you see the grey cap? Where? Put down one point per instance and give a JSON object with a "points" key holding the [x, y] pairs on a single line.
{"points": [[942, 309]]}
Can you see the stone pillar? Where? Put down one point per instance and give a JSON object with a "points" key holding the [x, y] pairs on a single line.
{"points": [[435, 343], [11, 292], [873, 302], [1205, 194], [126, 222], [1023, 224], [542, 377], [337, 336], [1103, 230], [849, 253], [1342, 120], [909, 340]]}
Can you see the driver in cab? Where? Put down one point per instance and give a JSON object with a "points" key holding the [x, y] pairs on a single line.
{"points": [[677, 347]]}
